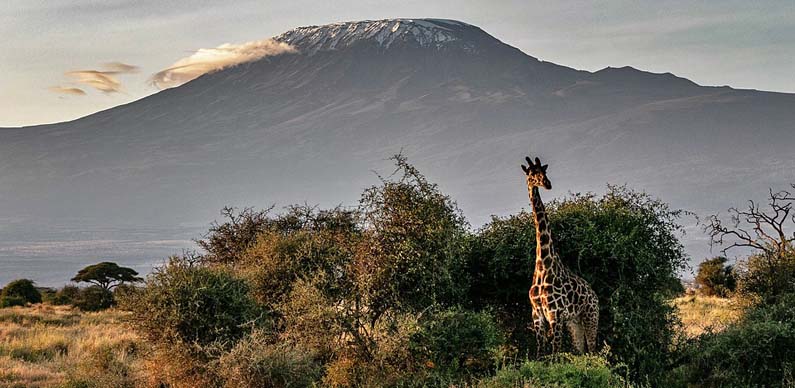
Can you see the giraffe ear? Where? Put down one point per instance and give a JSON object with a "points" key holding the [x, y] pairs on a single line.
{"points": [[525, 169], [544, 168]]}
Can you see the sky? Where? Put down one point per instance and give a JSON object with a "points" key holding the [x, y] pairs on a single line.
{"points": [[64, 59]]}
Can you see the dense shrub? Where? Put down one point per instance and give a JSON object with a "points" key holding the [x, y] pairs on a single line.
{"points": [[259, 361], [65, 296], [412, 255], [94, 298], [715, 278], [19, 293], [458, 341], [500, 265], [300, 244], [756, 351], [623, 243], [186, 303], [226, 241], [191, 315], [767, 277], [561, 371]]}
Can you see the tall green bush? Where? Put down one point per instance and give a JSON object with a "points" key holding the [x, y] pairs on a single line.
{"points": [[412, 255], [191, 304]]}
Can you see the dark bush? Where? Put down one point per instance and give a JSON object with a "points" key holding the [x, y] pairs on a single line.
{"points": [[458, 342], [767, 276], [12, 300], [93, 298], [65, 296], [500, 264], [756, 351], [19, 293], [716, 278]]}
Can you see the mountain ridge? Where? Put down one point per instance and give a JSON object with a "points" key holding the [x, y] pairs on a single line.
{"points": [[300, 127]]}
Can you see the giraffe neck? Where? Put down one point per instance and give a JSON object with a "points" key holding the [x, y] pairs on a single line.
{"points": [[545, 250]]}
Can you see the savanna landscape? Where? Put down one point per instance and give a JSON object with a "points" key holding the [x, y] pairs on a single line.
{"points": [[496, 194], [401, 291]]}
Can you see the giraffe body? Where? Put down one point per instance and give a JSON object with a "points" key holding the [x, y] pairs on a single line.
{"points": [[557, 295]]}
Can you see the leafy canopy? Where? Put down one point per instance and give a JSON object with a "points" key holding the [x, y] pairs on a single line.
{"points": [[106, 275]]}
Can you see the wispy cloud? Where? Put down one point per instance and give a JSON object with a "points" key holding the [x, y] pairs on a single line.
{"points": [[120, 67], [103, 80], [208, 60], [67, 90]]}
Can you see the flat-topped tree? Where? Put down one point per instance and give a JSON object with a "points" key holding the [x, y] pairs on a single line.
{"points": [[107, 275]]}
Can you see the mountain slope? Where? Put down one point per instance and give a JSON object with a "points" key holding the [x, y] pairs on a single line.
{"points": [[312, 125]]}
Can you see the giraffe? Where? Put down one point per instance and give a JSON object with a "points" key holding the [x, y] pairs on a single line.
{"points": [[557, 294]]}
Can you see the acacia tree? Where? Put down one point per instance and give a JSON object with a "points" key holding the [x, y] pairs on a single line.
{"points": [[106, 275], [769, 233]]}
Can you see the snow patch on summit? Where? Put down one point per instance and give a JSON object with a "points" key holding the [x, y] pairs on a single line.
{"points": [[434, 33]]}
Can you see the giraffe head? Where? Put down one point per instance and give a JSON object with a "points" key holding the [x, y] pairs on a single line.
{"points": [[536, 174]]}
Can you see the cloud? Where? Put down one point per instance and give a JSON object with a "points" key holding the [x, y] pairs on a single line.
{"points": [[67, 90], [103, 80], [119, 67], [210, 60]]}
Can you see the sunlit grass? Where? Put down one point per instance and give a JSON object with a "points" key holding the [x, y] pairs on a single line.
{"points": [[46, 346], [702, 313]]}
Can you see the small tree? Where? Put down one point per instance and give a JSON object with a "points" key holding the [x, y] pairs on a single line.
{"points": [[106, 275], [18, 293], [715, 277]]}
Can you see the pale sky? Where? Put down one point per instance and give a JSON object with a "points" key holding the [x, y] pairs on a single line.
{"points": [[743, 44]]}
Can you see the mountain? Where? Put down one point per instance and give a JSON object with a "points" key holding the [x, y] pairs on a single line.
{"points": [[138, 181]]}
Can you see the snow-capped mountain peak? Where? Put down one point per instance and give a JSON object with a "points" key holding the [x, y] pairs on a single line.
{"points": [[433, 33]]}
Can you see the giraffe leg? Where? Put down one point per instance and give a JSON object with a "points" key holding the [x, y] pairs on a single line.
{"points": [[538, 329], [590, 322], [577, 332], [554, 332], [557, 337]]}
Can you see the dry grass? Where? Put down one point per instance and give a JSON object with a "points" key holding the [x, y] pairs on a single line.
{"points": [[46, 346], [701, 313]]}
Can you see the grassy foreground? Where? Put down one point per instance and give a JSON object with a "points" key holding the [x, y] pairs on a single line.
{"points": [[59, 346]]}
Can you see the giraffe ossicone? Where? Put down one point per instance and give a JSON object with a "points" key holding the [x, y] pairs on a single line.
{"points": [[557, 295]]}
